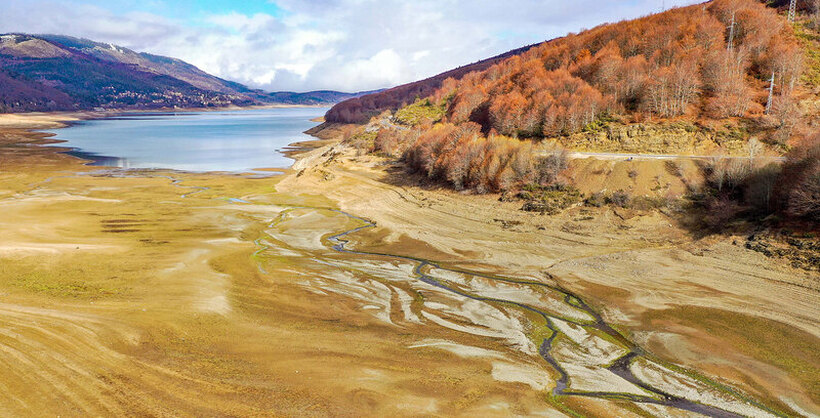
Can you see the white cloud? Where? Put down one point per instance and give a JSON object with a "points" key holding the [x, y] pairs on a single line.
{"points": [[239, 22], [329, 44]]}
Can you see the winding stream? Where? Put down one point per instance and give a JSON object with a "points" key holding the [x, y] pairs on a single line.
{"points": [[567, 330], [631, 365]]}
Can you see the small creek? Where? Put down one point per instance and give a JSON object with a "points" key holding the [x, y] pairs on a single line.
{"points": [[621, 367]]}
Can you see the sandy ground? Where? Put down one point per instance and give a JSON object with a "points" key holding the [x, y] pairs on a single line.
{"points": [[153, 293], [128, 293], [648, 275]]}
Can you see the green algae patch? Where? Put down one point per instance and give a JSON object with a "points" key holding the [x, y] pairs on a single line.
{"points": [[70, 281], [783, 346]]}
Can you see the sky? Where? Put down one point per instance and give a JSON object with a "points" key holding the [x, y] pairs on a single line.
{"points": [[303, 45]]}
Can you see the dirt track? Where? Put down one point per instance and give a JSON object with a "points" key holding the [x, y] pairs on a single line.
{"points": [[121, 296], [633, 266]]}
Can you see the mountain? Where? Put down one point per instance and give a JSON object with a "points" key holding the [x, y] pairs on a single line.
{"points": [[171, 67], [691, 77], [754, 25], [54, 72], [361, 109], [319, 97]]}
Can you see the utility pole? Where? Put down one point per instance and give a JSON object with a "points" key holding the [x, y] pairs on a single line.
{"points": [[792, 10], [731, 44], [771, 95]]}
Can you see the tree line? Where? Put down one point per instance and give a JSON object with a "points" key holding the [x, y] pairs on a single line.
{"points": [[715, 60]]}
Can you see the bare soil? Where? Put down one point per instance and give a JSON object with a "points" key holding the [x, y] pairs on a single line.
{"points": [[151, 293]]}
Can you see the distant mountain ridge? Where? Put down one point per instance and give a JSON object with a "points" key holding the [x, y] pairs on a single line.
{"points": [[318, 97], [162, 65], [56, 72]]}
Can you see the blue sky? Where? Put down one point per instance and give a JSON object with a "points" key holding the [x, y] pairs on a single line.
{"points": [[302, 45], [184, 9], [194, 10]]}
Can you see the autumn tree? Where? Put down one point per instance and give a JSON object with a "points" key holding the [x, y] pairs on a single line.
{"points": [[725, 78], [671, 89], [815, 7], [800, 182]]}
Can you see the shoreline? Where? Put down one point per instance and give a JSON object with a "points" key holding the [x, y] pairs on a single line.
{"points": [[66, 117], [168, 109], [631, 267], [568, 244], [34, 123]]}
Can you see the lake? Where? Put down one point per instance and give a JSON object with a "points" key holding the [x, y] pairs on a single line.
{"points": [[234, 141]]}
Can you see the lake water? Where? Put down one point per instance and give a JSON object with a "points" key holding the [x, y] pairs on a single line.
{"points": [[234, 141]]}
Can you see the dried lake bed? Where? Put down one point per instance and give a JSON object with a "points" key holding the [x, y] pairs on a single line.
{"points": [[332, 290]]}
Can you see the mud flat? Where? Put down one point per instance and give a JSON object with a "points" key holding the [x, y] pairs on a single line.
{"points": [[342, 289], [707, 305]]}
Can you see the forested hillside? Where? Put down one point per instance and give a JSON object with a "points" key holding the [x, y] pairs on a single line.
{"points": [[712, 61], [361, 109], [731, 71], [55, 72], [319, 97], [43, 74]]}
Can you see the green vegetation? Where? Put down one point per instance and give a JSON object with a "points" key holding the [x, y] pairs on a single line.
{"points": [[549, 199], [362, 140], [423, 110], [600, 123], [71, 280], [810, 40], [731, 138], [771, 342]]}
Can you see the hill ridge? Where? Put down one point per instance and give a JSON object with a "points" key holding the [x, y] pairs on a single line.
{"points": [[47, 72]]}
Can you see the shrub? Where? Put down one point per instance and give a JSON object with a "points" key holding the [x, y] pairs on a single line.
{"points": [[362, 141], [619, 198], [550, 199], [547, 168], [596, 199], [649, 203], [462, 157], [738, 188], [393, 142], [674, 168], [719, 212], [800, 185]]}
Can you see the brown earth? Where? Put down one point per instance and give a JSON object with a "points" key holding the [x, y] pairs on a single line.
{"points": [[632, 264], [150, 293]]}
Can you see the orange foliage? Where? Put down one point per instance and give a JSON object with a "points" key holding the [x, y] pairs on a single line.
{"points": [[464, 158], [361, 109], [674, 63]]}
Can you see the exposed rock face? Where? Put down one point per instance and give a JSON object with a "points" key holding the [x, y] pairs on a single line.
{"points": [[666, 138]]}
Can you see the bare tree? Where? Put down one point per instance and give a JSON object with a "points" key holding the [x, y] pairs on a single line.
{"points": [[801, 180], [717, 170], [815, 7], [755, 147]]}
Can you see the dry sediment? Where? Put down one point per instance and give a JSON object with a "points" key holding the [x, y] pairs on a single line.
{"points": [[121, 296]]}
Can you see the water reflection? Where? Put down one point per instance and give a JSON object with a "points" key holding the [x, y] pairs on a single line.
{"points": [[100, 160], [209, 141]]}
